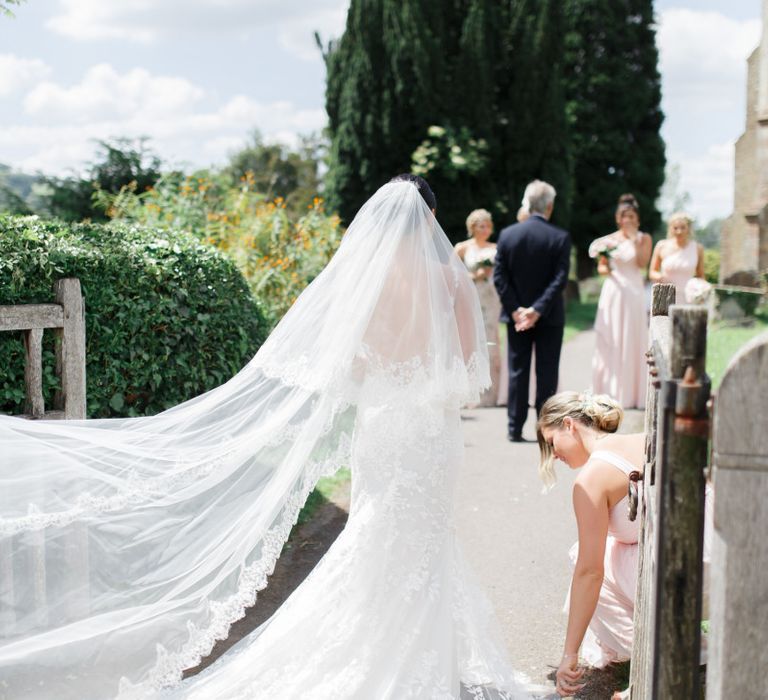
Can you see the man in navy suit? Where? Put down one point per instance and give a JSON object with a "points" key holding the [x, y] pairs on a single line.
{"points": [[531, 270]]}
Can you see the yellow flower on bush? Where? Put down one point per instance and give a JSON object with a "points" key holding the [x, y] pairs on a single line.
{"points": [[278, 250]]}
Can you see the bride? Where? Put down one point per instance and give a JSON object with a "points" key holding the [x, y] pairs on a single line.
{"points": [[128, 547]]}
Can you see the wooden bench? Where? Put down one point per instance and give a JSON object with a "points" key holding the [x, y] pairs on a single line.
{"points": [[66, 318]]}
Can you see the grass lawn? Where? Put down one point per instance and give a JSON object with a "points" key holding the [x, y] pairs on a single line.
{"points": [[579, 316], [322, 494], [724, 341]]}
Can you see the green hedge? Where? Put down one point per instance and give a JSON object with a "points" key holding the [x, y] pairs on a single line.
{"points": [[711, 265], [167, 317]]}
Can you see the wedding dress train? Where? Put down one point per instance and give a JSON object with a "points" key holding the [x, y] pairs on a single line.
{"points": [[128, 547]]}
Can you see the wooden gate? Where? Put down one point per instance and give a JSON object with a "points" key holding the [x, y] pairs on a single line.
{"points": [[665, 657]]}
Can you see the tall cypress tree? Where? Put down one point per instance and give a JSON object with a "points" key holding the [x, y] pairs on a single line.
{"points": [[465, 95], [531, 132], [614, 111], [485, 70], [380, 96]]}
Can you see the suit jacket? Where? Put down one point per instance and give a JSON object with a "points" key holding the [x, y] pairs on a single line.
{"points": [[532, 261]]}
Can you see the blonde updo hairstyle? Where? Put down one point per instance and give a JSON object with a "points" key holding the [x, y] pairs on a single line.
{"points": [[598, 411], [680, 216], [475, 217]]}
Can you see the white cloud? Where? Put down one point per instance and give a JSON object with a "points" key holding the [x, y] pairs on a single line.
{"points": [[214, 147], [105, 94], [699, 49], [145, 21], [65, 121], [96, 19], [708, 177], [18, 73], [703, 66]]}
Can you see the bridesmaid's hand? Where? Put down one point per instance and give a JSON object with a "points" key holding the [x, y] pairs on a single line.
{"points": [[567, 676]]}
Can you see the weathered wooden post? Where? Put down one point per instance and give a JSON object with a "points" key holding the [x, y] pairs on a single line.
{"points": [[683, 435], [33, 373], [738, 640], [666, 649], [660, 339], [660, 344], [70, 350]]}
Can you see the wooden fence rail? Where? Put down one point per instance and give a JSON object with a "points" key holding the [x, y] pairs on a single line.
{"points": [[67, 319], [665, 657]]}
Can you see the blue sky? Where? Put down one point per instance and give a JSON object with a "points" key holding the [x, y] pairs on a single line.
{"points": [[197, 76]]}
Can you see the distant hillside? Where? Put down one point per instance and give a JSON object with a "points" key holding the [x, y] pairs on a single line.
{"points": [[15, 190], [20, 183]]}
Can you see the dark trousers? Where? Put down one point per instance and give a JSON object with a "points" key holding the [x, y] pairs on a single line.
{"points": [[546, 341]]}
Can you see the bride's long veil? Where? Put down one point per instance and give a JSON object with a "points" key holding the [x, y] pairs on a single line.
{"points": [[127, 547]]}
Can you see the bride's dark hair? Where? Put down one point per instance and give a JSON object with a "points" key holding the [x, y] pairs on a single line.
{"points": [[422, 185]]}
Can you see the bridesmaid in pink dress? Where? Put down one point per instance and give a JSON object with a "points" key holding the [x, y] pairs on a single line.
{"points": [[679, 258], [621, 325], [577, 428]]}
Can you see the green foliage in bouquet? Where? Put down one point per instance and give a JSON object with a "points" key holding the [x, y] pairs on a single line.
{"points": [[278, 250], [167, 316]]}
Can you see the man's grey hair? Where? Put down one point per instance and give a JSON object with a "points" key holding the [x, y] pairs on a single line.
{"points": [[538, 196]]}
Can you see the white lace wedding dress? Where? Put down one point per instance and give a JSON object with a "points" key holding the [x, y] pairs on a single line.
{"points": [[128, 547], [390, 611]]}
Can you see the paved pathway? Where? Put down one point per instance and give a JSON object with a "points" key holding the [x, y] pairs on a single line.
{"points": [[517, 538]]}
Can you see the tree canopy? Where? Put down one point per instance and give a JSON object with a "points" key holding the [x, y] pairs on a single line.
{"points": [[440, 93]]}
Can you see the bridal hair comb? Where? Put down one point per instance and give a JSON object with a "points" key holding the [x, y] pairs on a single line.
{"points": [[587, 400]]}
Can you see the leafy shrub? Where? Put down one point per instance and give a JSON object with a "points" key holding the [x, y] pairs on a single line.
{"points": [[278, 251], [450, 152], [167, 317], [711, 265]]}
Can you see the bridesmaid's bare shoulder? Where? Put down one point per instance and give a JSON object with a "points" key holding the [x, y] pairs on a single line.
{"points": [[631, 446]]}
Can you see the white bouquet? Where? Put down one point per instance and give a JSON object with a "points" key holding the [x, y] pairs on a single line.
{"points": [[603, 247], [697, 291]]}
